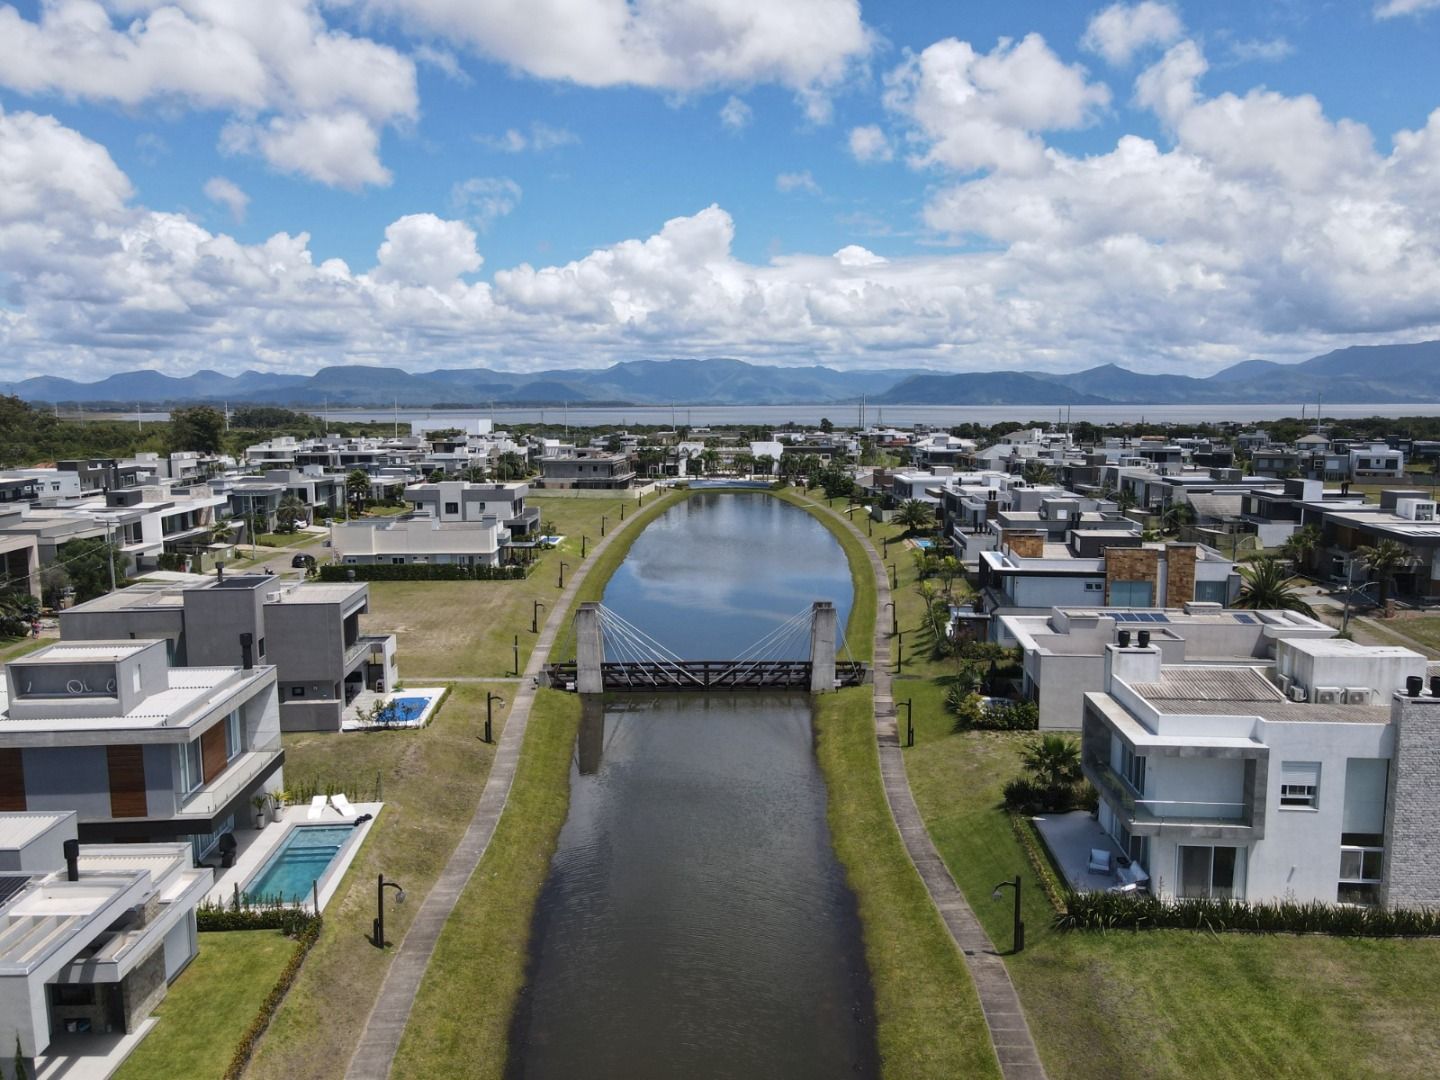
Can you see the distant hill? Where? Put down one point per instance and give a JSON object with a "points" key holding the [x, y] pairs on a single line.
{"points": [[1356, 375]]}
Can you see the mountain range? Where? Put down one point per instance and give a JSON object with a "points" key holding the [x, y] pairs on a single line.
{"points": [[1401, 374]]}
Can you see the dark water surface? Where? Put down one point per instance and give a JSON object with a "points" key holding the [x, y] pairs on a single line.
{"points": [[696, 923]]}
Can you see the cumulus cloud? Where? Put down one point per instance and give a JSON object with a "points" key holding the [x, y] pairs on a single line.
{"points": [[422, 249], [870, 143], [485, 199], [809, 46], [735, 114], [284, 75], [1263, 51], [972, 110], [539, 138], [229, 195], [1392, 8], [1122, 30], [797, 181]]}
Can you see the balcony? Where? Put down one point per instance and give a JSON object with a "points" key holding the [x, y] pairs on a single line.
{"points": [[1150, 817], [243, 771]]}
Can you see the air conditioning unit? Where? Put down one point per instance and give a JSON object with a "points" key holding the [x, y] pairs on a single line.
{"points": [[1283, 681], [274, 596], [1297, 692], [1328, 695], [1357, 695]]}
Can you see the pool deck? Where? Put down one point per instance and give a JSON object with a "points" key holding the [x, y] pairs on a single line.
{"points": [[366, 698], [255, 846]]}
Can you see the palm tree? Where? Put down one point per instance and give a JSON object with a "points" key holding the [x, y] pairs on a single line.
{"points": [[1036, 473], [1299, 544], [357, 488], [288, 514], [1175, 516], [709, 459], [1267, 584], [1125, 500], [949, 570], [915, 515], [1385, 560], [1053, 760]]}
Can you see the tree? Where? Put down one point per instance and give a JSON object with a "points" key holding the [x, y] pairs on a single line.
{"points": [[475, 474], [1176, 516], [511, 466], [949, 570], [915, 515], [200, 428], [1125, 500], [87, 564], [825, 425], [1053, 760], [289, 514], [1037, 473], [357, 489], [18, 607], [765, 464], [1267, 584], [1385, 560], [709, 460], [745, 462], [1299, 544]]}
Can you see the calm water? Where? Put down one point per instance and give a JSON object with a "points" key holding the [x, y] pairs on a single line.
{"points": [[696, 923]]}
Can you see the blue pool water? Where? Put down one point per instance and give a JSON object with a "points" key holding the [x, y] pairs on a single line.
{"points": [[303, 857], [924, 545], [403, 709]]}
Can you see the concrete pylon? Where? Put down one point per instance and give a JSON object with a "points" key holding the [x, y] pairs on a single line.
{"points": [[822, 646], [589, 650]]}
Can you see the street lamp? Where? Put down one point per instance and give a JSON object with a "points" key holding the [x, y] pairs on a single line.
{"points": [[603, 519], [584, 545], [899, 652], [1019, 933], [894, 618], [563, 567], [490, 700], [378, 930], [909, 706], [894, 577], [535, 616]]}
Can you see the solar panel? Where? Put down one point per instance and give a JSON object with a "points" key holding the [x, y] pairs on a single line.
{"points": [[1159, 617], [1248, 620], [9, 886]]}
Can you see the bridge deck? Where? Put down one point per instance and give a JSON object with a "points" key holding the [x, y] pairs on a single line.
{"points": [[651, 676]]}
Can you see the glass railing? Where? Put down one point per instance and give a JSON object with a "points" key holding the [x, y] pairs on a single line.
{"points": [[1142, 811], [238, 775]]}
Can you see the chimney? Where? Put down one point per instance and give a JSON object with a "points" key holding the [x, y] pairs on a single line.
{"points": [[1123, 637], [1144, 639], [247, 651], [72, 860], [1435, 685], [1413, 685]]}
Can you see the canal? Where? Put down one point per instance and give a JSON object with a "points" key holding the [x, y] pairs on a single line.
{"points": [[695, 922]]}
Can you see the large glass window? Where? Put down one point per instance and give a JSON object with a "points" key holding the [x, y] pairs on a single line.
{"points": [[1132, 594], [1132, 766], [234, 736], [190, 776], [1211, 592], [1212, 872]]}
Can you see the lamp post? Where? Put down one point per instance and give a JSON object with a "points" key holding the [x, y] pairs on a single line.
{"points": [[909, 706], [584, 545], [563, 566], [899, 652], [535, 616], [1019, 933], [885, 542], [378, 930], [490, 700], [894, 618], [622, 511], [516, 648], [894, 577], [603, 520]]}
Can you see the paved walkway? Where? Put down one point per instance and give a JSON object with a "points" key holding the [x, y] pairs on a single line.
{"points": [[386, 1024], [1009, 1032]]}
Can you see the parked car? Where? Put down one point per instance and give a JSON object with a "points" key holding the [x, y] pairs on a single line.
{"points": [[302, 561]]}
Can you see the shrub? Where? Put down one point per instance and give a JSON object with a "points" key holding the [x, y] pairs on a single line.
{"points": [[305, 941], [974, 713], [246, 914], [421, 572], [1138, 911], [1027, 795]]}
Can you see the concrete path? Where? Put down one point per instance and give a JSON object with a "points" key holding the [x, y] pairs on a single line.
{"points": [[1014, 1046], [375, 1053]]}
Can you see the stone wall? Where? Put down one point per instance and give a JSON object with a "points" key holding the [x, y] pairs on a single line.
{"points": [[144, 987], [1024, 543], [1412, 806], [1132, 564], [1180, 573]]}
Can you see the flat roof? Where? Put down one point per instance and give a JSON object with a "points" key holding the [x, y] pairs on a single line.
{"points": [[192, 692], [18, 829], [89, 651], [1339, 647]]}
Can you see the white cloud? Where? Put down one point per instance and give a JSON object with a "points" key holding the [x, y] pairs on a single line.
{"points": [[855, 255], [485, 199], [274, 65], [797, 181], [539, 138], [809, 46], [339, 149], [869, 143], [1122, 30], [422, 249], [229, 195], [974, 110], [735, 114], [1393, 8], [1263, 51]]}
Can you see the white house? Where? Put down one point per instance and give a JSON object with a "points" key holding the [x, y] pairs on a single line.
{"points": [[418, 539], [91, 936], [1310, 779]]}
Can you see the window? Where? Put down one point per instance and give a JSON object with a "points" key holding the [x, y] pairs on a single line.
{"points": [[234, 736], [297, 691], [1211, 592], [260, 649], [190, 776], [452, 508], [1212, 872], [1094, 586], [1132, 767], [1362, 868], [1132, 594], [1300, 785]]}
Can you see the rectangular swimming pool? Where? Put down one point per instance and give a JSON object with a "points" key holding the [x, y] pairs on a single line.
{"points": [[300, 860]]}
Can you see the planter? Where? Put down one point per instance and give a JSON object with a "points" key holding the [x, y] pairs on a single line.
{"points": [[276, 811], [260, 821]]}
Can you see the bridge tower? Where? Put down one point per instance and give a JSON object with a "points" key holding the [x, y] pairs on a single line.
{"points": [[823, 624], [589, 650]]}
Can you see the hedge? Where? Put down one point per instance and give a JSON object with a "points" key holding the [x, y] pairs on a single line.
{"points": [[1123, 911], [242, 913], [420, 572], [303, 944]]}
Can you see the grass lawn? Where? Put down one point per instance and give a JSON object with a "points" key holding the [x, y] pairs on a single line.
{"points": [[432, 782], [468, 628], [929, 1022], [461, 1020], [1422, 628], [210, 1005], [12, 647], [289, 540], [1171, 1004]]}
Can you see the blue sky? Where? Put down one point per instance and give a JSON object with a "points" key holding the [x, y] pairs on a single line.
{"points": [[977, 185]]}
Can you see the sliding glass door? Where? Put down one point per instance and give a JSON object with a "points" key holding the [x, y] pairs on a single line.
{"points": [[1212, 872]]}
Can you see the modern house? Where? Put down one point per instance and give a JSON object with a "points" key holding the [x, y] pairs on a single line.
{"points": [[1312, 778], [91, 936], [1064, 650], [19, 560], [139, 749], [417, 538], [587, 468], [260, 496], [310, 632], [457, 500]]}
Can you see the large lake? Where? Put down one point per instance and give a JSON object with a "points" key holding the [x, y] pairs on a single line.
{"points": [[695, 922]]}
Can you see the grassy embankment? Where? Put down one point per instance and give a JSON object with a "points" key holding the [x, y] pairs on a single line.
{"points": [[1163, 1004], [210, 1005]]}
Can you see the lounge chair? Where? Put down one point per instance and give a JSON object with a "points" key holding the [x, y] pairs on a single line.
{"points": [[317, 807], [1101, 861], [343, 805]]}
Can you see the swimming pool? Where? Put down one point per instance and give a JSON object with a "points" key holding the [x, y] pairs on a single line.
{"points": [[403, 710], [301, 859], [923, 545]]}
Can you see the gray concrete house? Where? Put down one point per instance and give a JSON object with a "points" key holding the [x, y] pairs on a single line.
{"points": [[310, 632], [584, 468], [138, 749], [457, 500]]}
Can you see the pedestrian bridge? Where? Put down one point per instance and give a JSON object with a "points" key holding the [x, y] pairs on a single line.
{"points": [[614, 655]]}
